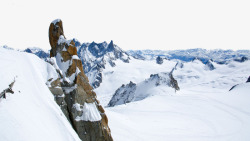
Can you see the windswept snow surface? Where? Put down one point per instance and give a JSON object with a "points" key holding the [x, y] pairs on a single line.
{"points": [[30, 114], [203, 109]]}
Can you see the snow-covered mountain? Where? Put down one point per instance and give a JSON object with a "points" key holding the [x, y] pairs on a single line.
{"points": [[96, 56], [38, 52], [203, 109], [34, 50], [217, 55], [135, 92], [6, 47]]}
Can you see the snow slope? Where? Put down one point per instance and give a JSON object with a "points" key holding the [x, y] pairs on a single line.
{"points": [[203, 109], [189, 115], [31, 112]]}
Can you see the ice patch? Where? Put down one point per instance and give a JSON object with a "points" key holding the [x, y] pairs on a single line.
{"points": [[90, 112]]}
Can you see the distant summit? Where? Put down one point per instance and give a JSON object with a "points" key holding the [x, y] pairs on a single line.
{"points": [[159, 60], [95, 57], [38, 52], [217, 55]]}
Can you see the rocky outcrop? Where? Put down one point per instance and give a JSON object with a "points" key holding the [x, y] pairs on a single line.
{"points": [[7, 90], [72, 90], [135, 92], [177, 66], [173, 83], [248, 80], [209, 65], [241, 60], [124, 94], [233, 87], [164, 79], [159, 60]]}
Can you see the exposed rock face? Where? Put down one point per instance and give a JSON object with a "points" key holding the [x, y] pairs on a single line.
{"points": [[72, 90], [178, 65], [7, 90], [164, 79], [135, 92], [248, 80], [124, 94], [233, 87]]}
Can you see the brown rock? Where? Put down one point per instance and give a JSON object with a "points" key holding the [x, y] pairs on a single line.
{"points": [[55, 31], [101, 109], [72, 49], [65, 55], [73, 67], [77, 92]]}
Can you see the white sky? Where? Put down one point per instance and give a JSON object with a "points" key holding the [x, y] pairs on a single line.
{"points": [[131, 24]]}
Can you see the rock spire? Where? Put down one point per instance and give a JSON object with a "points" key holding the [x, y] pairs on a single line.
{"points": [[72, 90]]}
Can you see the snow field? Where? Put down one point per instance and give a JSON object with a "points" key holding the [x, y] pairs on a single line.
{"points": [[203, 109], [31, 112]]}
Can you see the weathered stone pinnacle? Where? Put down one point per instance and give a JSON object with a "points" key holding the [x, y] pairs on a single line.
{"points": [[72, 90]]}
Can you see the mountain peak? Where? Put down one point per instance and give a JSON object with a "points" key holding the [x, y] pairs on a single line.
{"points": [[111, 46]]}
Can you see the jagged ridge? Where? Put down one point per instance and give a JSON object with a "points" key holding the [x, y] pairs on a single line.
{"points": [[95, 56], [135, 92]]}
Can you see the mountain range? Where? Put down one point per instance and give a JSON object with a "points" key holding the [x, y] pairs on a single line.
{"points": [[176, 95], [96, 56]]}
